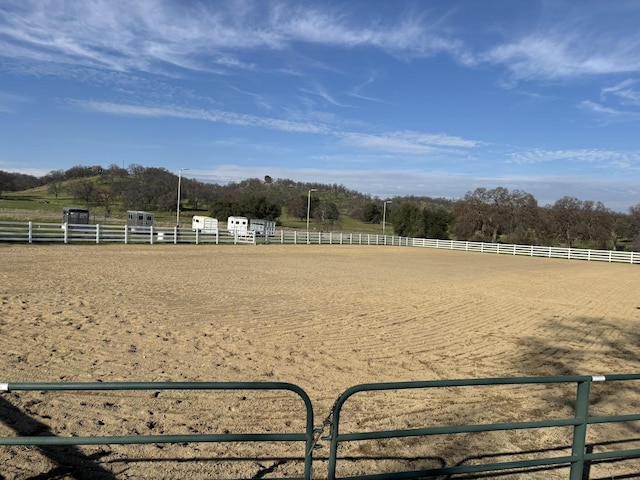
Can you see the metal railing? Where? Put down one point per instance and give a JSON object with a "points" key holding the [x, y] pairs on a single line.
{"points": [[576, 461], [52, 440]]}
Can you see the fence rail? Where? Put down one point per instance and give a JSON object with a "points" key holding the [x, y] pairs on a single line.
{"points": [[32, 232], [578, 461], [581, 456], [307, 436]]}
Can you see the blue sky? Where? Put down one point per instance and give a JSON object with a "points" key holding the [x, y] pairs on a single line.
{"points": [[433, 98]]}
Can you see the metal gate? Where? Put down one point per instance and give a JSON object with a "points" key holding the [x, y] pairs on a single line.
{"points": [[305, 437], [578, 460], [580, 457]]}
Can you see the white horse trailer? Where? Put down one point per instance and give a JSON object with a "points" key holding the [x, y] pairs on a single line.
{"points": [[204, 224], [238, 225]]}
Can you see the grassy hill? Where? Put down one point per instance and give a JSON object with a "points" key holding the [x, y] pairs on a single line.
{"points": [[41, 205]]}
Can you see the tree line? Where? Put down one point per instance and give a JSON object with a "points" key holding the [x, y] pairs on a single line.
{"points": [[485, 215]]}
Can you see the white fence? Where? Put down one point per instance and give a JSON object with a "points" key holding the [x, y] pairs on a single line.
{"points": [[31, 232]]}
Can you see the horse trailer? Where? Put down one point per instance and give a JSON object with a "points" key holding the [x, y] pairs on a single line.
{"points": [[139, 221], [263, 228], [203, 224], [75, 216], [238, 225]]}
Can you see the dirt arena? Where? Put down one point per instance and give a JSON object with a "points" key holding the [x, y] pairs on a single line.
{"points": [[322, 317]]}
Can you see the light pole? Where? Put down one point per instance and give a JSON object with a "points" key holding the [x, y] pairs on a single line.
{"points": [[384, 215], [178, 205], [309, 209]]}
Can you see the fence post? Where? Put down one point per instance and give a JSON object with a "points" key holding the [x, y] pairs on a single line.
{"points": [[30, 232], [97, 233], [580, 430]]}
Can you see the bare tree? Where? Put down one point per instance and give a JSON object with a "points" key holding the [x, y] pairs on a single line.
{"points": [[84, 190]]}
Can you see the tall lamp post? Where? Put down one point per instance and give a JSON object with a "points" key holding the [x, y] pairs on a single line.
{"points": [[309, 209], [178, 205], [384, 215]]}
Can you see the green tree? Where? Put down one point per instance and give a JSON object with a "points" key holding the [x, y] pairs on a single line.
{"points": [[297, 206], [408, 220], [257, 206], [371, 213], [436, 223], [223, 209]]}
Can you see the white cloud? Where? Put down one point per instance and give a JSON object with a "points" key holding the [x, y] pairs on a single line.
{"points": [[230, 118], [408, 142], [624, 92], [606, 157], [570, 40], [149, 35], [319, 91], [608, 112]]}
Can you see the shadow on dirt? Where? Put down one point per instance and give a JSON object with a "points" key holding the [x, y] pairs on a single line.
{"points": [[70, 461], [565, 347]]}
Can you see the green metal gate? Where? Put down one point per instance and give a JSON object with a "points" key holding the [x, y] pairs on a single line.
{"points": [[306, 436], [578, 461], [580, 455]]}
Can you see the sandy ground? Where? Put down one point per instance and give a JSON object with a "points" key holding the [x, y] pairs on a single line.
{"points": [[322, 317]]}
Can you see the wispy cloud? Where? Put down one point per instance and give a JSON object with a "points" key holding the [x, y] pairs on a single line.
{"points": [[572, 40], [152, 35], [357, 91], [319, 91], [159, 36], [606, 157], [230, 118], [408, 142], [624, 92], [609, 113]]}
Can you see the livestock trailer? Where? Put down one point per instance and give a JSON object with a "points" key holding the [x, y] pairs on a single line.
{"points": [[263, 228], [75, 216], [139, 220], [238, 225], [72, 216], [204, 224]]}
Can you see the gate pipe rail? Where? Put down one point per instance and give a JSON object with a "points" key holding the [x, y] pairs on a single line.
{"points": [[576, 461], [307, 436]]}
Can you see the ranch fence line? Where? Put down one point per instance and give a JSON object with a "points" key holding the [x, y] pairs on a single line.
{"points": [[32, 232], [578, 456]]}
